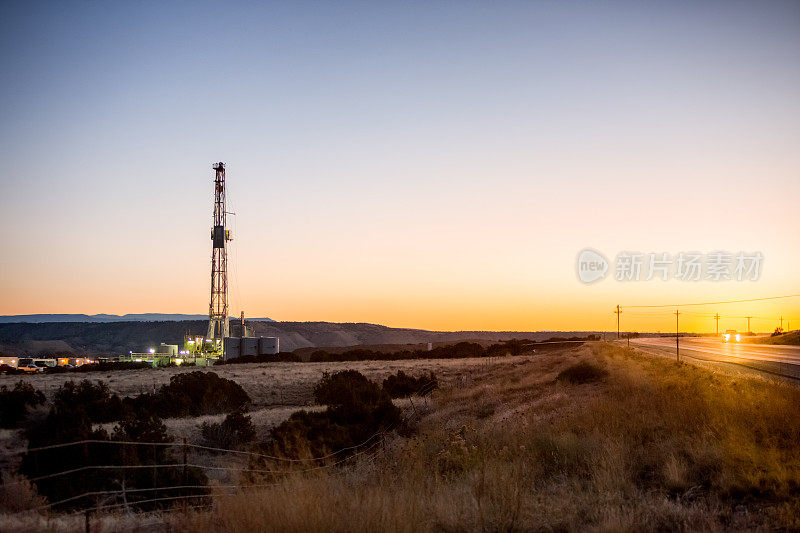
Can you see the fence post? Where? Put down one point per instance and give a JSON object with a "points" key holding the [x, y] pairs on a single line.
{"points": [[185, 460], [86, 462], [86, 520], [185, 477], [155, 471]]}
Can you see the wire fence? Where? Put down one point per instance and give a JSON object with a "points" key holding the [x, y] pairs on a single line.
{"points": [[373, 439], [214, 487], [167, 497], [107, 500]]}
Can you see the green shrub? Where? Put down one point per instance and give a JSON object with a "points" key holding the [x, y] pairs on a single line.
{"points": [[510, 347], [96, 400], [14, 403], [454, 351], [235, 430], [105, 366], [348, 389], [63, 425], [402, 385], [67, 424], [192, 394], [188, 394], [582, 373], [282, 357], [357, 410]]}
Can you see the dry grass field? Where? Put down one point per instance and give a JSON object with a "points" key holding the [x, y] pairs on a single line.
{"points": [[791, 338], [625, 442], [268, 384], [277, 389], [652, 445]]}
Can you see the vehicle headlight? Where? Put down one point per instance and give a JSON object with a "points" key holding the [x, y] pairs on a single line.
{"points": [[727, 336], [738, 337]]}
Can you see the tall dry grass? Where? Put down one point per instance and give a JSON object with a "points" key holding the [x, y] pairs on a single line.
{"points": [[639, 444], [645, 445]]}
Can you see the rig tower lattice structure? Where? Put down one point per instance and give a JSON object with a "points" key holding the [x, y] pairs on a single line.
{"points": [[218, 308]]}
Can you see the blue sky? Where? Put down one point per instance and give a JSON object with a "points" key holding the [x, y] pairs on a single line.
{"points": [[390, 162]]}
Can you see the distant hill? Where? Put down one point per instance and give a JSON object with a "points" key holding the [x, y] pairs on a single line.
{"points": [[115, 337], [143, 317]]}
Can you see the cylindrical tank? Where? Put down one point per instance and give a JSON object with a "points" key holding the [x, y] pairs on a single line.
{"points": [[249, 346], [168, 349], [268, 345], [231, 347]]}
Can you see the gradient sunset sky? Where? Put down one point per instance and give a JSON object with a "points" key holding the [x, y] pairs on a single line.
{"points": [[418, 164]]}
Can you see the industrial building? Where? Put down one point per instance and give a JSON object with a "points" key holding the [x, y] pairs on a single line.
{"points": [[222, 339], [243, 342], [238, 346]]}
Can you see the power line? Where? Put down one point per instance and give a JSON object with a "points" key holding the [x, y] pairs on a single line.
{"points": [[713, 303]]}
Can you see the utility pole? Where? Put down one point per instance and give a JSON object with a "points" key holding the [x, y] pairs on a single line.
{"points": [[748, 324], [618, 312], [781, 322], [677, 338], [716, 317]]}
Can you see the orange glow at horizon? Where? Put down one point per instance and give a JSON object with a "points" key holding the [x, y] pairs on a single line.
{"points": [[441, 176]]}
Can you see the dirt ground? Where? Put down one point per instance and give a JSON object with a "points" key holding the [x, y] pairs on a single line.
{"points": [[591, 438], [276, 389], [268, 384]]}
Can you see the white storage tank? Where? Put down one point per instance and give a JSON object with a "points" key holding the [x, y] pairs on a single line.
{"points": [[167, 349], [268, 346], [231, 347], [249, 346]]}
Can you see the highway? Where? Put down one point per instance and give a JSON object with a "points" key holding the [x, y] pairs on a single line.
{"points": [[772, 358]]}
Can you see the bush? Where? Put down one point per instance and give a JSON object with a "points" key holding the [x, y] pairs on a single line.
{"points": [[113, 365], [455, 351], [189, 394], [68, 424], [106, 366], [17, 494], [582, 373], [64, 425], [97, 401], [282, 357], [14, 403], [347, 389], [192, 394], [357, 410], [235, 430], [401, 385], [510, 347]]}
